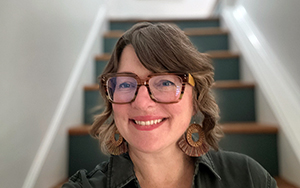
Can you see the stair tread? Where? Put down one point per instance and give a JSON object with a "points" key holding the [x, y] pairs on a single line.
{"points": [[217, 54], [79, 130], [222, 54], [218, 84], [189, 32], [231, 84], [165, 20], [241, 127], [282, 183], [205, 31], [249, 127], [103, 57]]}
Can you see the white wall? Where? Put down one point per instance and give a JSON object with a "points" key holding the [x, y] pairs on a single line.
{"points": [[151, 9], [40, 44], [266, 33]]}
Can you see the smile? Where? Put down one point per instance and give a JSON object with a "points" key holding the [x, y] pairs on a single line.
{"points": [[150, 122]]}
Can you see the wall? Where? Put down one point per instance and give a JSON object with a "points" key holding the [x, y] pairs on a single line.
{"points": [[266, 34], [151, 9], [41, 43]]}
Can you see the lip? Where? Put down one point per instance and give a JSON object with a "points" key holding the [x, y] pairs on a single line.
{"points": [[147, 118]]}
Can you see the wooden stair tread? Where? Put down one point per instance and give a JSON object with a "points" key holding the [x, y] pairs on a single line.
{"points": [[79, 130], [218, 54], [282, 183], [165, 20], [103, 57], [249, 128], [189, 32], [222, 54], [113, 34], [241, 127], [205, 31], [218, 85], [231, 84]]}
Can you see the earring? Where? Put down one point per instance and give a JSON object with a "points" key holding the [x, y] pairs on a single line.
{"points": [[190, 147], [116, 147]]}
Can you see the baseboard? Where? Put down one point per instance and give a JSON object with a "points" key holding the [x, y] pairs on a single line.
{"points": [[280, 90], [64, 101]]}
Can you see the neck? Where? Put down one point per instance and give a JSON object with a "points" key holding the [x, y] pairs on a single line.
{"points": [[163, 169]]}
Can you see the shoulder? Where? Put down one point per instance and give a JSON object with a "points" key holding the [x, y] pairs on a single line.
{"points": [[83, 179], [231, 165]]}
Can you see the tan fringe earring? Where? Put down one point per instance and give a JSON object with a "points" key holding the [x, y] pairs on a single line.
{"points": [[116, 147], [189, 146]]}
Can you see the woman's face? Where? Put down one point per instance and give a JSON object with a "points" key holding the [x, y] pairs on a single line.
{"points": [[171, 119]]}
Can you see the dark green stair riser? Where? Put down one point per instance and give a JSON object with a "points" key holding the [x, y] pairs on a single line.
{"points": [[100, 65], [236, 105], [226, 69], [93, 105], [182, 24], [261, 147], [202, 42], [84, 152]]}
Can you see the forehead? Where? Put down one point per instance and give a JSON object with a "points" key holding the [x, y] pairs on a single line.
{"points": [[129, 62]]}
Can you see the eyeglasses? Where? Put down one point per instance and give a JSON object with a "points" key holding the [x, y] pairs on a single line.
{"points": [[122, 88]]}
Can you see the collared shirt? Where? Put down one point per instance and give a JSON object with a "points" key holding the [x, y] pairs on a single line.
{"points": [[214, 169]]}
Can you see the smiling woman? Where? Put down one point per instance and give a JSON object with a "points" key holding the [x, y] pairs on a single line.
{"points": [[155, 83]]}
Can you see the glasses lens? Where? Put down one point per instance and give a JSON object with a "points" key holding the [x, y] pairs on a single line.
{"points": [[166, 88], [121, 89]]}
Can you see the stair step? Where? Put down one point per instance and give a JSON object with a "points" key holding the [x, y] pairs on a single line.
{"points": [[228, 128], [126, 24], [226, 65], [218, 85], [205, 39], [205, 31], [222, 54], [260, 139], [235, 100], [282, 183], [256, 140]]}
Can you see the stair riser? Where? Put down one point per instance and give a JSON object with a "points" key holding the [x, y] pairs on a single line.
{"points": [[92, 105], [261, 147], [236, 104], [182, 24], [202, 42], [225, 69], [85, 152]]}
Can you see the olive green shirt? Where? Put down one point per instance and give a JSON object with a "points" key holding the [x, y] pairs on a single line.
{"points": [[214, 169]]}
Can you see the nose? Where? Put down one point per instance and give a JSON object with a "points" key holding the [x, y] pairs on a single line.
{"points": [[143, 99]]}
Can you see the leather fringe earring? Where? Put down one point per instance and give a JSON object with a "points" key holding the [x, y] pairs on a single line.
{"points": [[190, 147], [116, 147]]}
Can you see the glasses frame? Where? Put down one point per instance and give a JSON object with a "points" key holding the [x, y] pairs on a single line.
{"points": [[185, 77]]}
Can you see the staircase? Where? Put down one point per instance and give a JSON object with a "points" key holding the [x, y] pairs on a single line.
{"points": [[235, 98]]}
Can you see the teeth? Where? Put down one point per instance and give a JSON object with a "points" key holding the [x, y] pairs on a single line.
{"points": [[151, 122]]}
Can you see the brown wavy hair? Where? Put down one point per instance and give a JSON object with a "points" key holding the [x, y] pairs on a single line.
{"points": [[164, 47]]}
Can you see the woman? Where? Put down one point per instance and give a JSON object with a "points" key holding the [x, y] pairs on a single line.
{"points": [[157, 89]]}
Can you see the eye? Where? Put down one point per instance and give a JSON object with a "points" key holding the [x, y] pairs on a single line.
{"points": [[126, 86], [166, 83]]}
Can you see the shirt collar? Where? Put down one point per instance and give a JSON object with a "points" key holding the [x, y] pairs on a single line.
{"points": [[206, 160], [121, 172]]}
